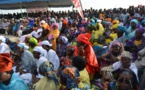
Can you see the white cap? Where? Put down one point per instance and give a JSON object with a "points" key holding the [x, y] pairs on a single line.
{"points": [[46, 43]]}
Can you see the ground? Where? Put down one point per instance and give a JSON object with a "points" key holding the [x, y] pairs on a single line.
{"points": [[12, 38]]}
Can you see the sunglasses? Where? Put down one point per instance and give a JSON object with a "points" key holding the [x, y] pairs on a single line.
{"points": [[126, 81]]}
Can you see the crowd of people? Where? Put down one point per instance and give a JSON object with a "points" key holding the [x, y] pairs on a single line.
{"points": [[62, 51]]}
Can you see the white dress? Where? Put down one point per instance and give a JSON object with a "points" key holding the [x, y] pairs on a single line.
{"points": [[4, 48], [53, 58]]}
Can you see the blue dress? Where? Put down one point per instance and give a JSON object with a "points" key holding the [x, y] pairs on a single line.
{"points": [[15, 84]]}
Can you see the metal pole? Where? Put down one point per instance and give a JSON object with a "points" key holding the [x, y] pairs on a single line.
{"points": [[81, 4], [21, 9]]}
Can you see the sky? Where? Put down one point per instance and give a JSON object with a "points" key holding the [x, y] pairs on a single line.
{"points": [[96, 4]]}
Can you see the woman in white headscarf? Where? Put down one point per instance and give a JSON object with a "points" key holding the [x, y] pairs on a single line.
{"points": [[27, 60], [38, 53], [51, 54], [61, 47], [4, 48]]}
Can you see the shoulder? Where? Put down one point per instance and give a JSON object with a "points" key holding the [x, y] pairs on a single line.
{"points": [[18, 82]]}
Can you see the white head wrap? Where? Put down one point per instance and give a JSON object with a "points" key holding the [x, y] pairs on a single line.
{"points": [[40, 50], [23, 46], [46, 43], [42, 22], [64, 39], [3, 39], [99, 21]]}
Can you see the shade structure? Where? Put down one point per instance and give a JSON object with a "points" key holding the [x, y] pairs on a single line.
{"points": [[25, 4]]}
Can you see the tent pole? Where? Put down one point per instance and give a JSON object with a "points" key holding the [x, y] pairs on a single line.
{"points": [[21, 9], [1, 11], [81, 4]]}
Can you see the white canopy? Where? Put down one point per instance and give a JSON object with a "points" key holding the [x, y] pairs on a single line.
{"points": [[17, 4]]}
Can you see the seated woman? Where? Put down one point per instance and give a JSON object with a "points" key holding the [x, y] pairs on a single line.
{"points": [[113, 55], [27, 60], [124, 65], [55, 32], [32, 43], [100, 46], [126, 81], [69, 78], [132, 29], [61, 47], [49, 81], [67, 61], [8, 80], [137, 43], [113, 34], [120, 37]]}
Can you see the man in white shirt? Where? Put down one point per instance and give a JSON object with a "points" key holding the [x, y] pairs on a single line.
{"points": [[51, 54]]}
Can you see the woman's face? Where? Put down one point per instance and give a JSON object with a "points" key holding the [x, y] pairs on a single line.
{"points": [[45, 47], [119, 34], [125, 62], [69, 52], [20, 50], [138, 34], [60, 40], [116, 49], [36, 54], [4, 76], [27, 40], [133, 25], [45, 32], [125, 81]]}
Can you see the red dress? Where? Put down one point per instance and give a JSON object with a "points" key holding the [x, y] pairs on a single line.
{"points": [[92, 63]]}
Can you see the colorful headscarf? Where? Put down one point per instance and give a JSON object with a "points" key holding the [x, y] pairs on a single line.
{"points": [[121, 29], [109, 19], [143, 23], [23, 46], [135, 21], [33, 41], [126, 54], [115, 26], [115, 22], [47, 69], [45, 26], [31, 22], [91, 27], [114, 44], [83, 38], [65, 22], [108, 24], [54, 24], [6, 62], [71, 74], [141, 30]]}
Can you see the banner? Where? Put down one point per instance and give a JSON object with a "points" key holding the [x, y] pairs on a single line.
{"points": [[36, 10], [78, 6]]}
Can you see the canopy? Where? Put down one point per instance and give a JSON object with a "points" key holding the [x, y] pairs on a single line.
{"points": [[17, 4]]}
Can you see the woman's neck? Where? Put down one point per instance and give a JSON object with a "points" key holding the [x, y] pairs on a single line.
{"points": [[7, 82], [115, 53]]}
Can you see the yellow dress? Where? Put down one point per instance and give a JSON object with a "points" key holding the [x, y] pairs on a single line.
{"points": [[98, 32], [45, 84], [113, 35], [56, 34], [136, 42], [84, 76]]}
